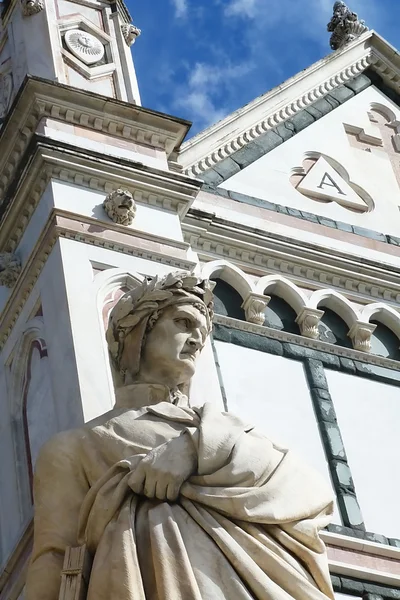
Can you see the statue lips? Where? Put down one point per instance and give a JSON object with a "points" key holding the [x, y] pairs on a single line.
{"points": [[188, 355]]}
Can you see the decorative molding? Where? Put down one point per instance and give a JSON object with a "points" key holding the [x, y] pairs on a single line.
{"points": [[254, 307], [360, 335], [39, 99], [307, 343], [308, 321], [31, 7], [345, 26], [130, 33], [154, 187], [6, 91], [110, 236], [363, 280], [10, 269], [369, 50], [275, 118], [120, 206]]}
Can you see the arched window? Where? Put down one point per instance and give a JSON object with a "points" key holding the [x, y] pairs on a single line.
{"points": [[280, 315], [227, 301], [384, 342], [333, 330]]}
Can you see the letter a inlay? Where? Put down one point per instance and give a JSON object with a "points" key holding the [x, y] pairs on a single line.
{"points": [[327, 180]]}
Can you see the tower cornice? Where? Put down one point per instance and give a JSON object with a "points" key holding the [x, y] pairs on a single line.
{"points": [[39, 99]]}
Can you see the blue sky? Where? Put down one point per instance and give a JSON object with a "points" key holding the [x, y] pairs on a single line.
{"points": [[203, 59]]}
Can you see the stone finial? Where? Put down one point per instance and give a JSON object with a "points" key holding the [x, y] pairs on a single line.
{"points": [[10, 268], [254, 307], [360, 335], [308, 320], [120, 206], [31, 7], [345, 26], [130, 33]]}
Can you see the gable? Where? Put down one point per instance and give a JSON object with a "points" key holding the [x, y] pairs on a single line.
{"points": [[352, 147]]}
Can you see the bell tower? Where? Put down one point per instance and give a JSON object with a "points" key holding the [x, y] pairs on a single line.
{"points": [[84, 44], [91, 201]]}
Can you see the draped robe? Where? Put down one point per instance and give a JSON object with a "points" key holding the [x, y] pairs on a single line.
{"points": [[245, 526]]}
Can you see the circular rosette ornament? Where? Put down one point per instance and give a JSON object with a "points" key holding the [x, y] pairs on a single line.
{"points": [[84, 46]]}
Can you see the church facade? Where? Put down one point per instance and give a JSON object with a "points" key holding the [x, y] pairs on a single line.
{"points": [[291, 205]]}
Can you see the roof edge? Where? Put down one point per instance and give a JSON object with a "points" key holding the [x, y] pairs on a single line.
{"points": [[245, 125]]}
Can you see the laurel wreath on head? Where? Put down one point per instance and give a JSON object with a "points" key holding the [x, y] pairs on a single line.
{"points": [[145, 299]]}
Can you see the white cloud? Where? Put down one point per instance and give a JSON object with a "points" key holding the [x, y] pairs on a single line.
{"points": [[246, 8], [181, 8], [207, 85]]}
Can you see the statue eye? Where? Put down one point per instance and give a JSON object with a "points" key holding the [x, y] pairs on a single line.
{"points": [[183, 322]]}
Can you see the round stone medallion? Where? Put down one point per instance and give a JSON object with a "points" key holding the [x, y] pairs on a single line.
{"points": [[84, 46]]}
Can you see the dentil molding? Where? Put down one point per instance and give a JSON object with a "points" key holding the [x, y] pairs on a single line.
{"points": [[272, 109]]}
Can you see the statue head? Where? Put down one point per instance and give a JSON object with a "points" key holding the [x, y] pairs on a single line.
{"points": [[157, 331]]}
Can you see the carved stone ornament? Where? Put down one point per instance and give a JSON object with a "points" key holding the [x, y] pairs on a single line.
{"points": [[130, 33], [10, 268], [360, 335], [120, 207], [31, 7], [308, 321], [345, 26], [254, 307], [84, 46], [6, 89]]}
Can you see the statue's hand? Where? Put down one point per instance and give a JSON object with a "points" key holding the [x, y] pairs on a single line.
{"points": [[162, 472]]}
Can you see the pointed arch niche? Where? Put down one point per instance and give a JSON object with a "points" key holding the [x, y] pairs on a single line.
{"points": [[32, 408], [110, 285]]}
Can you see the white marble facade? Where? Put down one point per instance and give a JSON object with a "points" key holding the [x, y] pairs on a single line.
{"points": [[54, 367]]}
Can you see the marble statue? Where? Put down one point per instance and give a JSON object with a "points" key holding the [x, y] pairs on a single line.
{"points": [[344, 25], [175, 502]]}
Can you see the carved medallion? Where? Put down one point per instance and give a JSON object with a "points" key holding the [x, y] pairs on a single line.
{"points": [[84, 46], [320, 179]]}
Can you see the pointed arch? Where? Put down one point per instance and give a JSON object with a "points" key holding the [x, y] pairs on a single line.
{"points": [[29, 380], [283, 288], [387, 113], [388, 316], [336, 303], [231, 274], [112, 279]]}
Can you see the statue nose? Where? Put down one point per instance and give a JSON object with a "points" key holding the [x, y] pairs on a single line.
{"points": [[194, 343]]}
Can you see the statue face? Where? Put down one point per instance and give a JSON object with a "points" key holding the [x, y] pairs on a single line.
{"points": [[173, 346]]}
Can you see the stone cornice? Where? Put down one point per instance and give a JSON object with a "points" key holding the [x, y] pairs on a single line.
{"points": [[311, 344], [266, 112], [38, 98], [45, 159], [305, 264], [62, 224]]}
